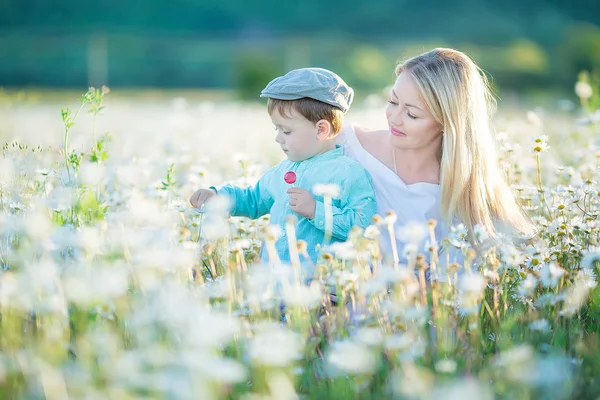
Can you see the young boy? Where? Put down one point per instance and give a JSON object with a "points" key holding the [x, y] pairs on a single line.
{"points": [[306, 106]]}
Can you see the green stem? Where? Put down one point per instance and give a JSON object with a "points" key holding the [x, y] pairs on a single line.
{"points": [[66, 140], [539, 183]]}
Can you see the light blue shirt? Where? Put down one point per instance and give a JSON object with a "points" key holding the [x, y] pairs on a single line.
{"points": [[355, 206]]}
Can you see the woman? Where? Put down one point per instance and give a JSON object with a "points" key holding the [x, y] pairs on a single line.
{"points": [[437, 159]]}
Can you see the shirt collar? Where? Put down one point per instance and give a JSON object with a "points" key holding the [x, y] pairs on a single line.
{"points": [[329, 155]]}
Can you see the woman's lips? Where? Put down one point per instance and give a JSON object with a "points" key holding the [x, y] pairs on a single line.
{"points": [[396, 132]]}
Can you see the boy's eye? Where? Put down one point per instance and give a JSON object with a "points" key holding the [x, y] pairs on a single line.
{"points": [[392, 102]]}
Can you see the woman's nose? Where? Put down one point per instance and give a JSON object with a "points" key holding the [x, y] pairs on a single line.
{"points": [[395, 117]]}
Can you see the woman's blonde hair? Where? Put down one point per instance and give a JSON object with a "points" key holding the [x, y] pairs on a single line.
{"points": [[457, 94]]}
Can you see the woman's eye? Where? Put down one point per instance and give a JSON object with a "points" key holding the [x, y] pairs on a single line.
{"points": [[411, 115]]}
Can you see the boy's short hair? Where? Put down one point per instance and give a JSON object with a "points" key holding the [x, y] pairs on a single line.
{"points": [[311, 109]]}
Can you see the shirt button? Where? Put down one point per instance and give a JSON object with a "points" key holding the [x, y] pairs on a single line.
{"points": [[320, 223]]}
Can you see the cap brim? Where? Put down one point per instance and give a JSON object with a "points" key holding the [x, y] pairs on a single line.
{"points": [[281, 96]]}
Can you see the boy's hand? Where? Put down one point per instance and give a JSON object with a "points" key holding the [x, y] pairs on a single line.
{"points": [[302, 202], [201, 196]]}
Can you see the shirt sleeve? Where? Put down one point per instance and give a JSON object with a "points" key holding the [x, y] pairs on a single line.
{"points": [[356, 208], [252, 202]]}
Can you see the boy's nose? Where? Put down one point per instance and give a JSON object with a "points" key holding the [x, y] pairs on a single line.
{"points": [[278, 138]]}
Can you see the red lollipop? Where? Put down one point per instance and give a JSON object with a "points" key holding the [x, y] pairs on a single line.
{"points": [[289, 177]]}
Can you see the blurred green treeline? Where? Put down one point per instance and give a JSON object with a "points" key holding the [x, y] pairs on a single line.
{"points": [[243, 44]]}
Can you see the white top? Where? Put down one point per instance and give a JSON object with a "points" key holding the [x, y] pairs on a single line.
{"points": [[418, 202]]}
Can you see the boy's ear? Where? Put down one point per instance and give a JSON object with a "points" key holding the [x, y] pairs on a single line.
{"points": [[324, 129]]}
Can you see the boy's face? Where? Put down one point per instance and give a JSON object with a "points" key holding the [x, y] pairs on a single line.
{"points": [[297, 136]]}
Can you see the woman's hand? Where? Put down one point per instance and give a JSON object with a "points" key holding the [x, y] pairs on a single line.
{"points": [[302, 202]]}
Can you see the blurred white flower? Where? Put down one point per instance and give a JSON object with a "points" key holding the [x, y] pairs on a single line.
{"points": [[273, 232], [38, 225], [546, 299], [511, 255], [275, 347], [369, 336], [583, 90], [528, 285], [239, 244], [300, 295], [390, 218], [86, 285], [462, 389], [165, 258], [214, 369], [471, 288], [550, 274], [412, 232], [515, 355], [16, 205], [540, 144], [219, 205], [371, 232], [480, 233], [590, 257], [347, 277], [409, 251], [193, 321], [327, 190], [214, 229], [446, 366], [16, 292], [91, 239], [343, 250], [145, 211], [540, 325], [472, 284], [351, 358], [65, 236], [400, 341], [458, 236], [588, 277]]}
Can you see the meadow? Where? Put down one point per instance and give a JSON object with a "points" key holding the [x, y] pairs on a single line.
{"points": [[113, 287]]}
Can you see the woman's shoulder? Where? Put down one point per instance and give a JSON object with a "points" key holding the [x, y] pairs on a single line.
{"points": [[372, 140]]}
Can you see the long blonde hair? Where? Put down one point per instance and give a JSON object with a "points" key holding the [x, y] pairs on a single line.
{"points": [[473, 189]]}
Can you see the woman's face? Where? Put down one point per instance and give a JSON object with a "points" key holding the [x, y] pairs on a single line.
{"points": [[411, 124]]}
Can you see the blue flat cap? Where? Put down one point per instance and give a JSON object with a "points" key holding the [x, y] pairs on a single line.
{"points": [[315, 83]]}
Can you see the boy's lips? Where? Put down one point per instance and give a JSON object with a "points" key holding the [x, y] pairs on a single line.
{"points": [[396, 132]]}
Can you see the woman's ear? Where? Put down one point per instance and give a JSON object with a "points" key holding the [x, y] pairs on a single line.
{"points": [[324, 129]]}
